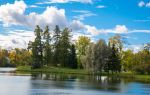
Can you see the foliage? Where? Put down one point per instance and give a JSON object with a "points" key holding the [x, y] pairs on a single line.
{"points": [[37, 48], [65, 47], [56, 45], [52, 50], [82, 45], [73, 57], [47, 50], [114, 62], [56, 49]]}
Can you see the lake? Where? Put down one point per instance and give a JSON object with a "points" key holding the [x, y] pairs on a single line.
{"points": [[59, 84]]}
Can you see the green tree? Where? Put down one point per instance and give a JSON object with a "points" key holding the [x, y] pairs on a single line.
{"points": [[147, 48], [100, 55], [82, 44], [117, 41], [47, 47], [128, 60], [114, 62], [4, 60], [73, 57], [96, 57], [65, 47], [89, 60], [37, 48], [143, 62], [56, 45]]}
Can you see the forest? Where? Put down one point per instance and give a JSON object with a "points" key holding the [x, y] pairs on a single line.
{"points": [[57, 49]]}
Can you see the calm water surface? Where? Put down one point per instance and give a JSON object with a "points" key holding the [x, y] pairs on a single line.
{"points": [[58, 84]]}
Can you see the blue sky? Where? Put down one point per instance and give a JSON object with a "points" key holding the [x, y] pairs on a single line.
{"points": [[98, 19]]}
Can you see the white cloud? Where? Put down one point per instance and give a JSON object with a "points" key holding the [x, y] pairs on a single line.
{"points": [[77, 34], [17, 39], [10, 11], [141, 4], [100, 6], [148, 4], [144, 4], [83, 14], [92, 29], [79, 26], [81, 11], [87, 29], [14, 14], [135, 48], [33, 6], [121, 29], [66, 1], [118, 30], [140, 31]]}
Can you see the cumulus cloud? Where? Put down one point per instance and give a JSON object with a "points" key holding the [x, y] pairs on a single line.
{"points": [[9, 12], [79, 26], [14, 14], [87, 29], [16, 39], [121, 29]]}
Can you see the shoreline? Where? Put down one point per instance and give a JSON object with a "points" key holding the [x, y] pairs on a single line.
{"points": [[56, 70]]}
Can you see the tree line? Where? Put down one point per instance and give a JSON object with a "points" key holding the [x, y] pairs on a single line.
{"points": [[53, 49], [56, 49], [100, 56]]}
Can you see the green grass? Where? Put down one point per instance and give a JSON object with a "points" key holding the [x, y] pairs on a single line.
{"points": [[144, 77], [51, 70], [28, 69]]}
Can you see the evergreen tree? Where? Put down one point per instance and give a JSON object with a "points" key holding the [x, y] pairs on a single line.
{"points": [[56, 40], [73, 57], [47, 47], [37, 48], [65, 47], [114, 63]]}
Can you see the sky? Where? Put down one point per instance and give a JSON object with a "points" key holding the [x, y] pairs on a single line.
{"points": [[97, 19]]}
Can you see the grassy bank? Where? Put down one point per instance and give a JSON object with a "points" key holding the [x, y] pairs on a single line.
{"points": [[28, 69], [51, 70]]}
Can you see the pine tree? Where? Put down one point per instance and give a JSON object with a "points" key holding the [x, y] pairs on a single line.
{"points": [[65, 47], [56, 45], [73, 57], [37, 48], [114, 63], [47, 47]]}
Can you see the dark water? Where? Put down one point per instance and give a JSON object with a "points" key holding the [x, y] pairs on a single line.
{"points": [[58, 84]]}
